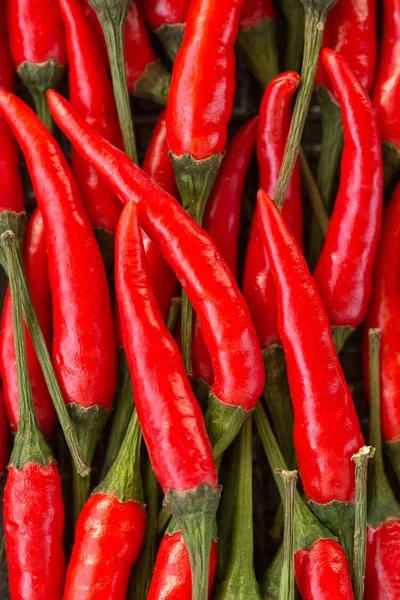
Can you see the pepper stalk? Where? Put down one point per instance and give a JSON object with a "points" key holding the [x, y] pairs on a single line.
{"points": [[287, 587]]}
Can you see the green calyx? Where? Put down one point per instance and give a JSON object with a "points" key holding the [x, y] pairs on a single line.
{"points": [[271, 580], [338, 517], [171, 37], [38, 78], [340, 335], [195, 510], [294, 14], [223, 422], [256, 46], [391, 162], [320, 6], [153, 84], [112, 10]]}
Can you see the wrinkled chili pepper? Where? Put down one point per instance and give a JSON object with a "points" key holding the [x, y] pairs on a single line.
{"points": [[386, 88], [35, 259], [33, 503], [222, 223], [326, 428], [37, 42], [343, 274], [167, 18], [110, 528], [170, 417], [83, 350], [224, 318]]}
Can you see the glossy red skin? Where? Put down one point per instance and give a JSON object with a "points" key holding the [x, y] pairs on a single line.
{"points": [[322, 573], [35, 259], [84, 351], [344, 270], [11, 195], [165, 12], [4, 443], [157, 163], [258, 282], [384, 313], [326, 428], [169, 414], [387, 83], [108, 538], [91, 93], [36, 32], [33, 530], [351, 30], [382, 580], [172, 576], [222, 223], [201, 98], [224, 317], [254, 11]]}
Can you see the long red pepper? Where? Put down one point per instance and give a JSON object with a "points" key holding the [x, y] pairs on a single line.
{"points": [[110, 529], [343, 274], [167, 18], [35, 259], [222, 223], [224, 318], [156, 162], [326, 428], [33, 504], [4, 443], [170, 417], [387, 86], [37, 41], [84, 351]]}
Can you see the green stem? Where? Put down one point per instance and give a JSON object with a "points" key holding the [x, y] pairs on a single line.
{"points": [[314, 195], [316, 12], [187, 333], [287, 586], [360, 526], [256, 46], [340, 335], [225, 518], [271, 580], [112, 15], [294, 14], [42, 110]]}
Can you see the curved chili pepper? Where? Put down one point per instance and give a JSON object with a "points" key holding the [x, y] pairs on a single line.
{"points": [[387, 87], [91, 94], [167, 18], [84, 350], [37, 42], [326, 428], [383, 550], [343, 273], [170, 417], [110, 529], [4, 444], [222, 222], [156, 162], [224, 318], [35, 259], [258, 282]]}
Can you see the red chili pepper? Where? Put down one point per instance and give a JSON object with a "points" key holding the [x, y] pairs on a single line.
{"points": [[91, 94], [156, 162], [167, 18], [258, 282], [37, 42], [222, 222], [343, 273], [35, 259], [326, 428], [4, 444], [224, 318]]}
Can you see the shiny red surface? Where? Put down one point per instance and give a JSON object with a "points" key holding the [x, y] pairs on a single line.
{"points": [[11, 197], [351, 30], [108, 538], [382, 581], [387, 83], [322, 573], [172, 576], [35, 259], [33, 530], [384, 313], [169, 415], [326, 428], [36, 31], [4, 443], [138, 50], [161, 12], [344, 270], [157, 163], [203, 79], [222, 222], [258, 282], [254, 11], [84, 350], [90, 92], [224, 317]]}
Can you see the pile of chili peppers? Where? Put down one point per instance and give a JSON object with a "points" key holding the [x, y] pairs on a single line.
{"points": [[176, 422]]}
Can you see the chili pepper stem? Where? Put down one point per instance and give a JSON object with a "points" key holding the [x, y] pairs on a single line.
{"points": [[257, 48], [194, 511], [391, 162], [294, 14], [314, 195], [225, 514], [270, 581], [338, 517], [360, 526], [315, 13], [223, 422], [153, 84], [341, 334], [287, 586], [171, 36]]}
